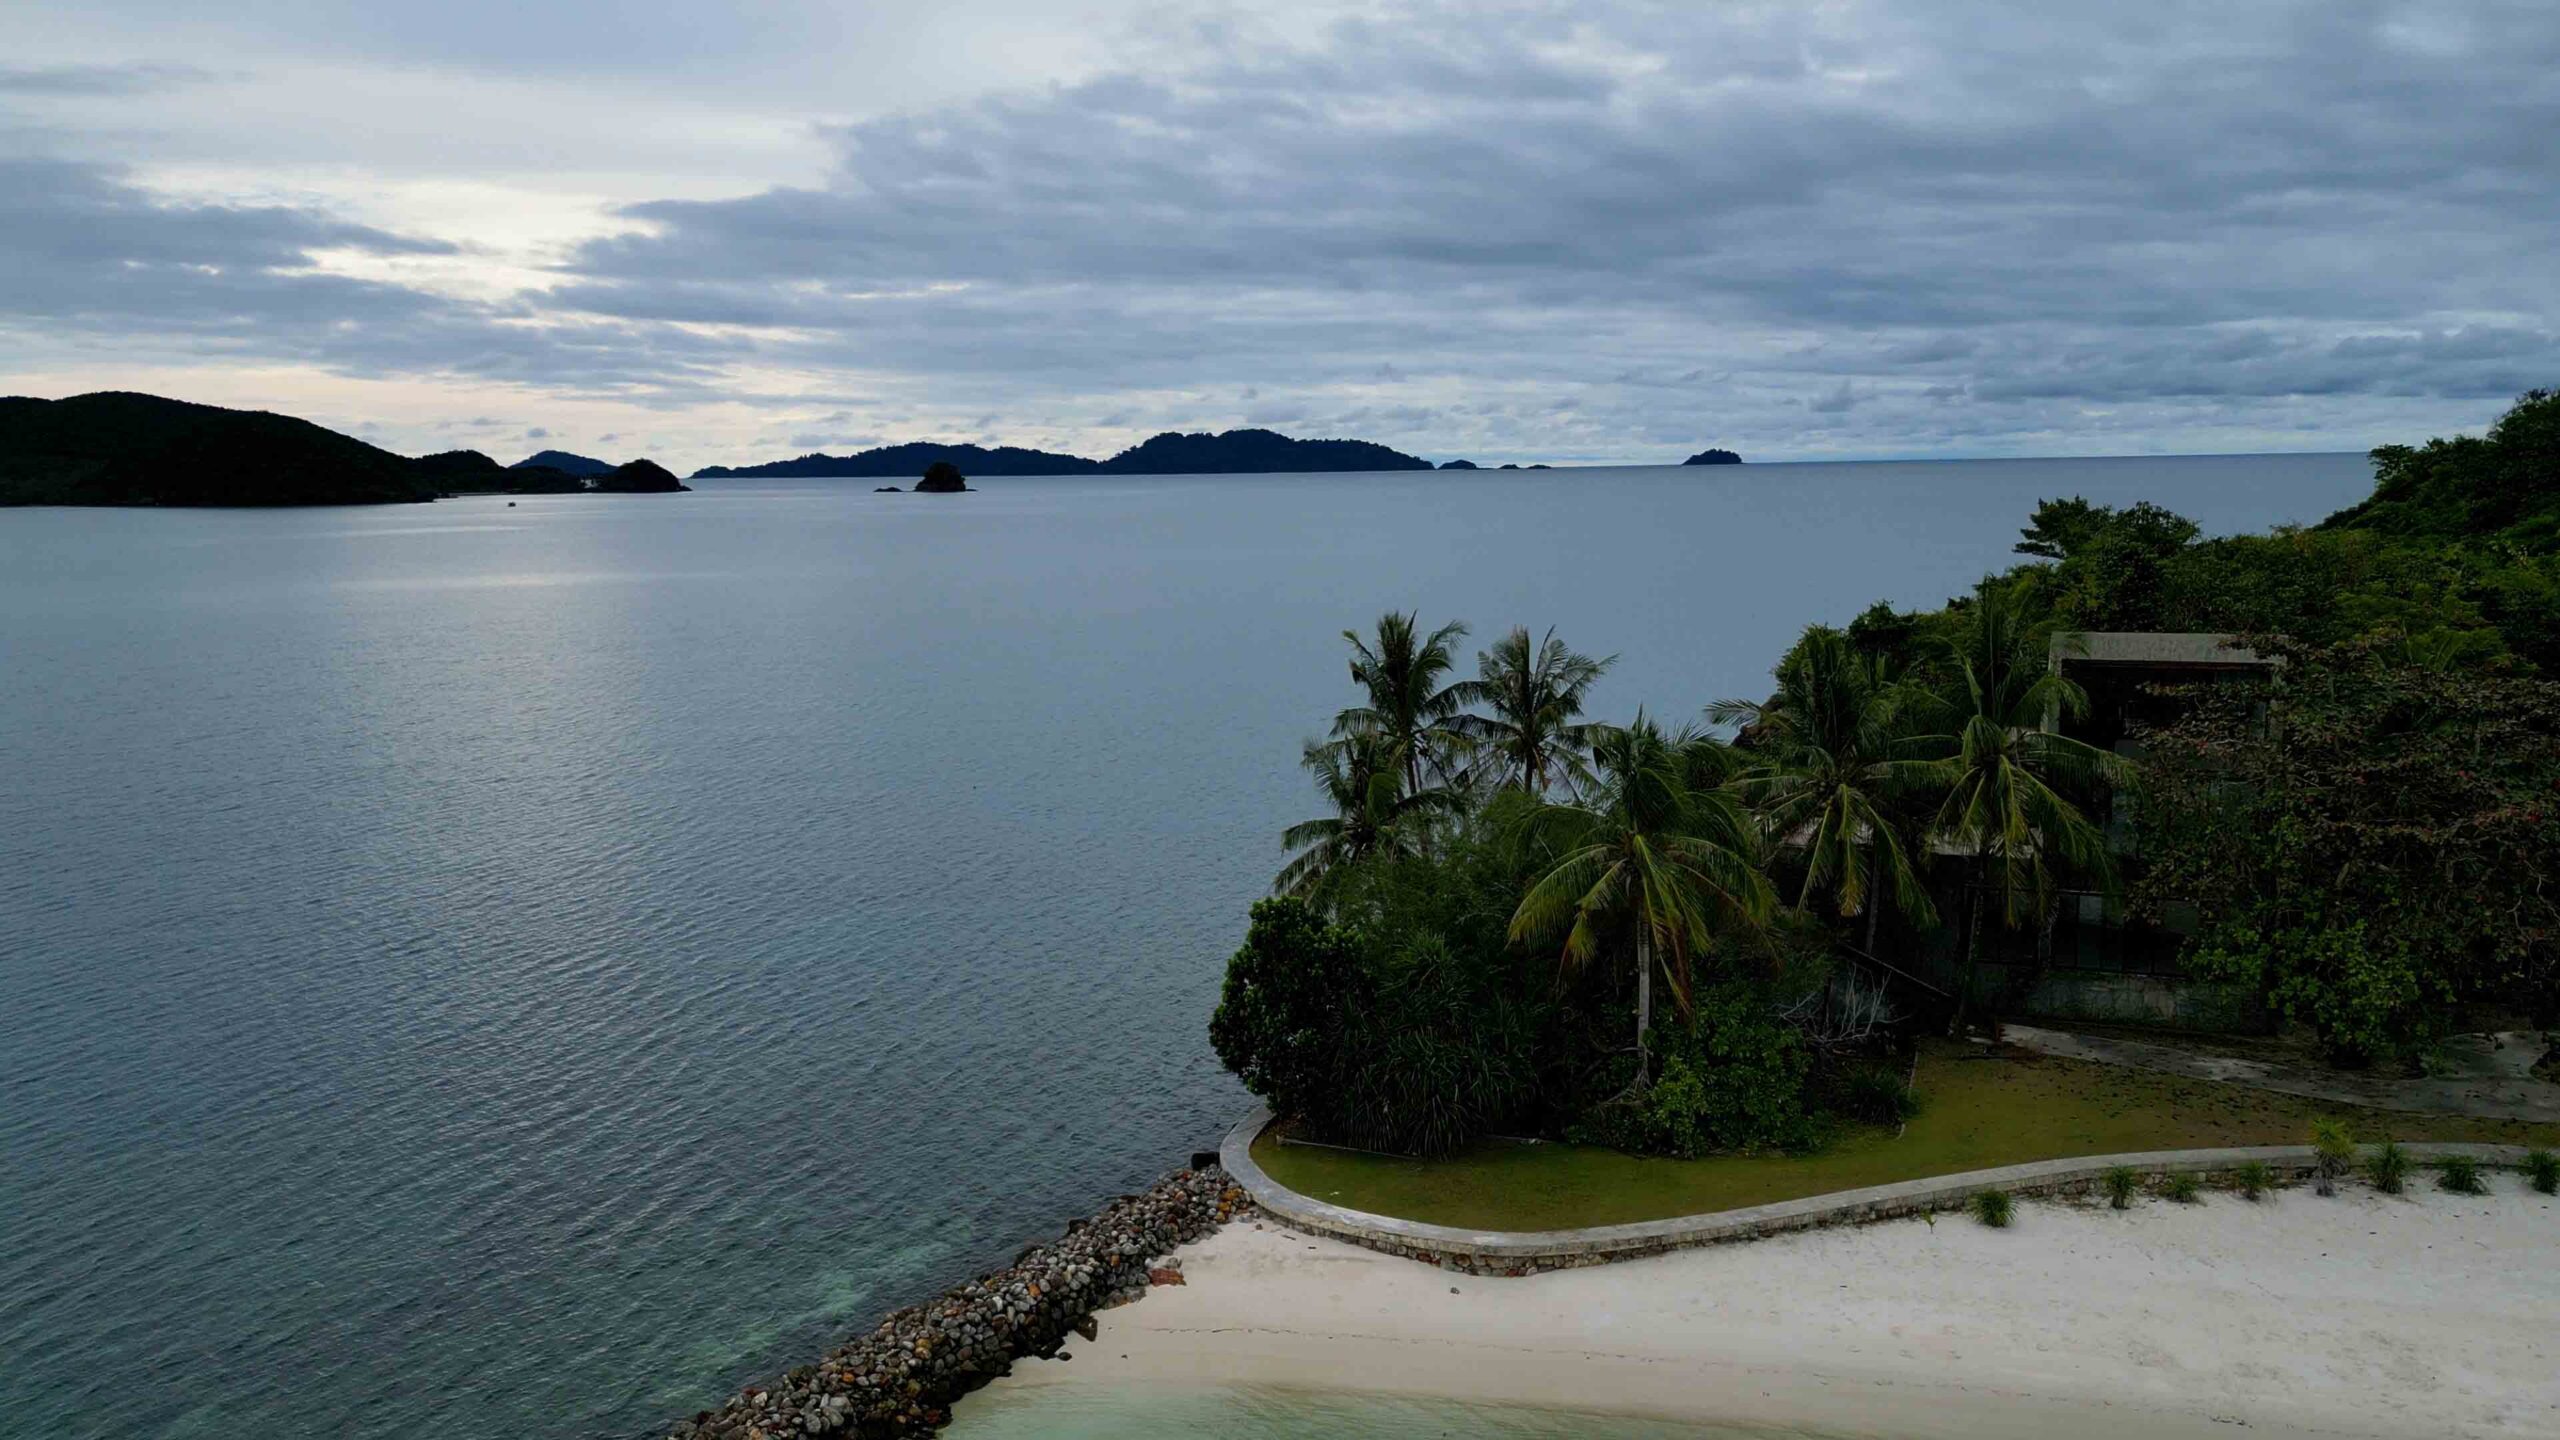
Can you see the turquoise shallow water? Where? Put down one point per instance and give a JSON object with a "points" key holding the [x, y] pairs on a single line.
{"points": [[1075, 1411], [477, 970]]}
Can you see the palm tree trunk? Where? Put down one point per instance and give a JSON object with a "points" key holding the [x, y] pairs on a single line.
{"points": [[1973, 929], [1644, 1005], [1875, 878]]}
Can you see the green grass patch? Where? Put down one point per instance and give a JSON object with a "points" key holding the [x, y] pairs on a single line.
{"points": [[1980, 1110]]}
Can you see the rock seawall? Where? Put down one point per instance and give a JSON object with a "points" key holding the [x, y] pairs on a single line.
{"points": [[902, 1378]]}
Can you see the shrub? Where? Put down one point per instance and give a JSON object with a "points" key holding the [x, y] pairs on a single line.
{"points": [[1290, 990], [2543, 1169], [1993, 1208], [2334, 1152], [1441, 1053], [2389, 1168], [2255, 1179], [1879, 1095], [2185, 1189], [1375, 1036], [2461, 1175], [1733, 1078], [2119, 1183]]}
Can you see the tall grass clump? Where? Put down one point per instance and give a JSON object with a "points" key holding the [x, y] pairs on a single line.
{"points": [[1993, 1208], [1874, 1093], [2119, 1183], [2389, 1168], [2255, 1179], [2460, 1174], [2333, 1148], [2185, 1189], [2543, 1169]]}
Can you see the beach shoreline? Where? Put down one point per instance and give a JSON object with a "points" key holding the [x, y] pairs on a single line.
{"points": [[2362, 1315]]}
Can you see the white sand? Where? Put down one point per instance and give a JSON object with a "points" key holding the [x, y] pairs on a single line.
{"points": [[2434, 1315]]}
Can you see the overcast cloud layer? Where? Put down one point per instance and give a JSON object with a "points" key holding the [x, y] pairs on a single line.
{"points": [[1537, 232]]}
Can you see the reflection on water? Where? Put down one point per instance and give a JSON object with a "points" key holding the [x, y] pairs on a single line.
{"points": [[1092, 1411], [530, 973]]}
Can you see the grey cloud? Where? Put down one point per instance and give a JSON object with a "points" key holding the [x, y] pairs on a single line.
{"points": [[537, 433], [2088, 206], [78, 80], [1529, 229], [85, 253]]}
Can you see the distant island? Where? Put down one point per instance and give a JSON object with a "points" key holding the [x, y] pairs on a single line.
{"points": [[566, 463], [942, 478], [1713, 457], [468, 472], [638, 477], [120, 448], [1236, 452]]}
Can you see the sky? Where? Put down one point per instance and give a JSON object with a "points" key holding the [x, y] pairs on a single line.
{"points": [[1576, 233]]}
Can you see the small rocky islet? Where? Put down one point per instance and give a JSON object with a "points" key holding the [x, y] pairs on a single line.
{"points": [[902, 1378]]}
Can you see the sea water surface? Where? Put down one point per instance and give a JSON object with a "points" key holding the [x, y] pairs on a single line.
{"points": [[523, 969]]}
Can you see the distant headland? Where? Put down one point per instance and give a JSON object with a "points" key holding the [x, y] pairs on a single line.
{"points": [[1236, 452], [120, 448]]}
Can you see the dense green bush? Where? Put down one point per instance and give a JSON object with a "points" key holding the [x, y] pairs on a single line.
{"points": [[1731, 1079], [1290, 992], [1381, 1034], [1993, 1208], [2184, 1188], [2460, 1174], [1441, 1053], [2369, 843]]}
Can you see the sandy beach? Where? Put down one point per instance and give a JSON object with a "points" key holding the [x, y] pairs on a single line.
{"points": [[2430, 1315]]}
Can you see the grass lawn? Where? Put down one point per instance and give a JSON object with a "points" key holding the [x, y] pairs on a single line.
{"points": [[1980, 1109]]}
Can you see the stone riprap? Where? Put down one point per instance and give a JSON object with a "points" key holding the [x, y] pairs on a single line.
{"points": [[902, 1378]]}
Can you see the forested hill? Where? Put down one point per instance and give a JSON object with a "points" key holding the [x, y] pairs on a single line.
{"points": [[566, 462], [2504, 486], [1237, 452], [906, 462], [1254, 452], [118, 448]]}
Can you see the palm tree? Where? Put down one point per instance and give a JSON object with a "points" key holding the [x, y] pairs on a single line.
{"points": [[1643, 855], [1535, 695], [1372, 814], [1407, 705], [2005, 776], [1824, 771]]}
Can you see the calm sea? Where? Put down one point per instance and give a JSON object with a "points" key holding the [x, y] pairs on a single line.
{"points": [[477, 969]]}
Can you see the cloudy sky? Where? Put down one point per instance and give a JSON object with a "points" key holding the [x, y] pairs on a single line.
{"points": [[1567, 232]]}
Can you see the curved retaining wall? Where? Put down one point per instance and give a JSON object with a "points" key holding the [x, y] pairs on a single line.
{"points": [[1521, 1252]]}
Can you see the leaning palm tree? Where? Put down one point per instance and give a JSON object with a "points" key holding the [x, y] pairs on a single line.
{"points": [[1532, 736], [1372, 815], [2006, 779], [1824, 771], [1406, 705], [1646, 857]]}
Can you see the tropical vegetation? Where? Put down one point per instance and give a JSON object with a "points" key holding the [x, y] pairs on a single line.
{"points": [[1515, 917]]}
